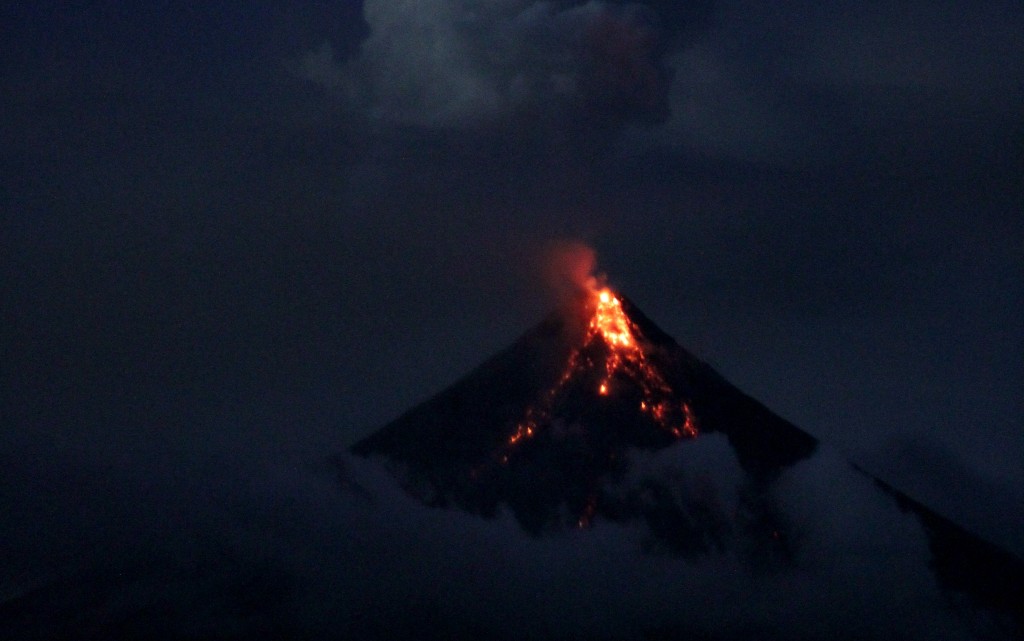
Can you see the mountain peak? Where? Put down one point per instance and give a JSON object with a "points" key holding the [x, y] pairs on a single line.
{"points": [[613, 359]]}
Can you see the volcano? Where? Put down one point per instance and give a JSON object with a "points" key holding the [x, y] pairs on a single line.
{"points": [[597, 415], [547, 427]]}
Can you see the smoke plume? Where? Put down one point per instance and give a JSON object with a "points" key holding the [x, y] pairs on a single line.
{"points": [[569, 269], [453, 64]]}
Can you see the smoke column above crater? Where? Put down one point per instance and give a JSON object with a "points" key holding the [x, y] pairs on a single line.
{"points": [[569, 270]]}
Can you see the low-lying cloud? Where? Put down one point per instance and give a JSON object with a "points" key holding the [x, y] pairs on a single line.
{"points": [[282, 547]]}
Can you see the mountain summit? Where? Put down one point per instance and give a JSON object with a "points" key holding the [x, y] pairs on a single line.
{"points": [[549, 426]]}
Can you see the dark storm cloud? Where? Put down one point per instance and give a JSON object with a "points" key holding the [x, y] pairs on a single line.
{"points": [[920, 88]]}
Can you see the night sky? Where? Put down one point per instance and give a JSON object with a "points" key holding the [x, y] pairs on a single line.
{"points": [[257, 233]]}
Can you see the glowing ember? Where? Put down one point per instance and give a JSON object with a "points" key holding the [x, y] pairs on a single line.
{"points": [[587, 515], [625, 358], [611, 322]]}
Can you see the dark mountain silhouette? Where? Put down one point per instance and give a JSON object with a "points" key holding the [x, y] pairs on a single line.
{"points": [[963, 563]]}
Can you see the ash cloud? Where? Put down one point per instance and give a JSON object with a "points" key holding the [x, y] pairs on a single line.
{"points": [[458, 64], [569, 269]]}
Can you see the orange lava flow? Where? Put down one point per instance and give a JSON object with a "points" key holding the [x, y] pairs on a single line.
{"points": [[625, 359]]}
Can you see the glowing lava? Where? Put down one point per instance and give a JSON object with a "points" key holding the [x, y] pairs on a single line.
{"points": [[610, 321], [624, 359]]}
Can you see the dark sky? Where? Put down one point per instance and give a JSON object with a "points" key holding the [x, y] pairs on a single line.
{"points": [[287, 224]]}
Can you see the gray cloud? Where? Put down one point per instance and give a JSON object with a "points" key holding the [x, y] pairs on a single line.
{"points": [[455, 63]]}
